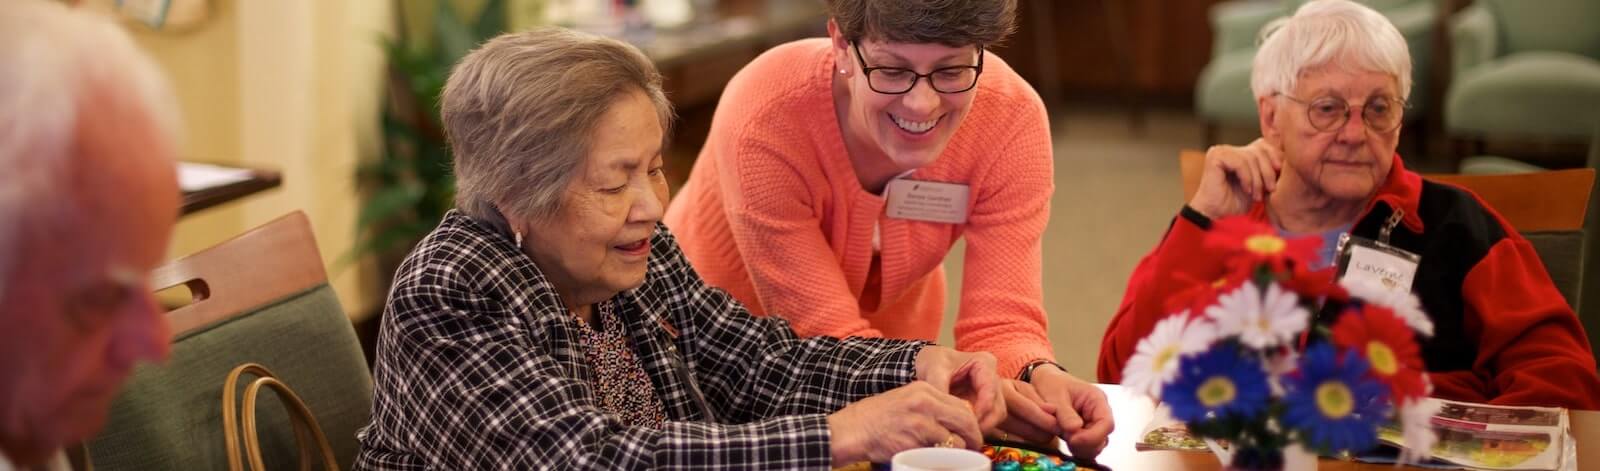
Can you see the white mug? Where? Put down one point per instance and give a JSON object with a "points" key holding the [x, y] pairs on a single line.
{"points": [[940, 459]]}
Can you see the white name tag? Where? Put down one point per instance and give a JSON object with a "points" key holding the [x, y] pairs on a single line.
{"points": [[1392, 269], [928, 201]]}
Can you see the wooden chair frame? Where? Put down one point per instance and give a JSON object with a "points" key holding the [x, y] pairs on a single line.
{"points": [[1556, 200], [267, 263]]}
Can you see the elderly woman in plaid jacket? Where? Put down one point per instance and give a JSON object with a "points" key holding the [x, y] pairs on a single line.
{"points": [[550, 321]]}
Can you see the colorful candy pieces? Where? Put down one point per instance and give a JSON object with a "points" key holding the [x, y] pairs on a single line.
{"points": [[1015, 459]]}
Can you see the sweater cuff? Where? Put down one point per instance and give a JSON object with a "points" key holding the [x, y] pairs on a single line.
{"points": [[1012, 360]]}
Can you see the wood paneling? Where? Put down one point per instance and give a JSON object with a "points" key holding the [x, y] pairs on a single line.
{"points": [[1165, 43]]}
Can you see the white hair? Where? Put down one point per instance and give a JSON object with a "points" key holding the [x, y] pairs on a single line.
{"points": [[1323, 32], [52, 58]]}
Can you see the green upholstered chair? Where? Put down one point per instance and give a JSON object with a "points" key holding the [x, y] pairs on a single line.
{"points": [[1551, 210], [261, 297], [1524, 69], [1222, 92], [1588, 295]]}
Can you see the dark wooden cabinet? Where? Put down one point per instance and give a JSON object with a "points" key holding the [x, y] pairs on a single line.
{"points": [[1154, 48]]}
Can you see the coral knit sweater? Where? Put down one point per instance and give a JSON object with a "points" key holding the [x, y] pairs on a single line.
{"points": [[774, 214]]}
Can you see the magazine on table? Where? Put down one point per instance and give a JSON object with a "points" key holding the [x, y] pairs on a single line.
{"points": [[1471, 436]]}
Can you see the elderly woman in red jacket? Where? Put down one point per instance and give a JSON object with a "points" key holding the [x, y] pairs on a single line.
{"points": [[1331, 86]]}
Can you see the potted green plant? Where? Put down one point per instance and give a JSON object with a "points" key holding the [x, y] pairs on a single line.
{"points": [[408, 186]]}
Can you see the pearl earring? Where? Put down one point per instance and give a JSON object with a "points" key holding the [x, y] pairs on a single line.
{"points": [[842, 72], [519, 239]]}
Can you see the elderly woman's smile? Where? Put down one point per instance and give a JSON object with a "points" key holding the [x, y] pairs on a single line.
{"points": [[638, 248]]}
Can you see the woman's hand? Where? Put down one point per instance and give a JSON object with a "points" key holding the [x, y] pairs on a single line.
{"points": [[973, 377], [912, 416], [1236, 177], [1081, 410], [1028, 417]]}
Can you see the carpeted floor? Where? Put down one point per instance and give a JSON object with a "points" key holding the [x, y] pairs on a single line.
{"points": [[1116, 192]]}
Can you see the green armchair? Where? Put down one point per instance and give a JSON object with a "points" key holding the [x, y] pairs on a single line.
{"points": [[262, 297], [1525, 70], [1222, 92]]}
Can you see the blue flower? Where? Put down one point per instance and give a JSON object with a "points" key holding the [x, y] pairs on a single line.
{"points": [[1219, 382], [1333, 403]]}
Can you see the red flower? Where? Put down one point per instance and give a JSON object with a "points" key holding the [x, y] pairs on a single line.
{"points": [[1315, 284], [1201, 294], [1387, 344], [1246, 244]]}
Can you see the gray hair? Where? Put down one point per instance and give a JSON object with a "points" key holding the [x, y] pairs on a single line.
{"points": [[520, 109], [51, 59], [1327, 31]]}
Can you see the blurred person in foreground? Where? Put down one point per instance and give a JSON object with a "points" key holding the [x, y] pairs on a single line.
{"points": [[89, 195], [1331, 84], [550, 321]]}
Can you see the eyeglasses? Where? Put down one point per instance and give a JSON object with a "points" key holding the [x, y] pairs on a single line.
{"points": [[898, 80], [1381, 114]]}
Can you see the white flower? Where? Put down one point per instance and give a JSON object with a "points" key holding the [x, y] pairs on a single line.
{"points": [[1260, 322], [1403, 303], [1416, 430], [1155, 360]]}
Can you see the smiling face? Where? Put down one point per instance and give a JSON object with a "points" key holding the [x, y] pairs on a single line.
{"points": [[910, 129], [597, 243], [1348, 162]]}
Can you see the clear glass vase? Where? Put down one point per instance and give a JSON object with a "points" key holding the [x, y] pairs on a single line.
{"points": [[1290, 458]]}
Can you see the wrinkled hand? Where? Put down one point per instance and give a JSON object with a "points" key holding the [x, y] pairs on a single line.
{"points": [[973, 377], [1028, 417], [1081, 410], [912, 416], [1236, 177]]}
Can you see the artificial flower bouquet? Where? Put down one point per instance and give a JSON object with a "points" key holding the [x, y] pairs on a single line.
{"points": [[1274, 354]]}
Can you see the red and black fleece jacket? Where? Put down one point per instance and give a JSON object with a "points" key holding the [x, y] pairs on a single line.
{"points": [[1503, 334]]}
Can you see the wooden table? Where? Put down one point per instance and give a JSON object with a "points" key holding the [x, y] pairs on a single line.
{"points": [[260, 180], [1132, 413]]}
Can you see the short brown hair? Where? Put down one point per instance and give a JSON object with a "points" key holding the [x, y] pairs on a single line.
{"points": [[519, 111], [955, 23]]}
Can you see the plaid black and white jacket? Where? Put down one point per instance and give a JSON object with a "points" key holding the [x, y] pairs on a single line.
{"points": [[478, 367]]}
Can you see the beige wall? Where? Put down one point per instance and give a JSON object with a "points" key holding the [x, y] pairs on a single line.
{"points": [[289, 85]]}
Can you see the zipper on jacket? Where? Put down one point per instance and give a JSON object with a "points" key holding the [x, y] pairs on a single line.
{"points": [[679, 366], [1388, 226]]}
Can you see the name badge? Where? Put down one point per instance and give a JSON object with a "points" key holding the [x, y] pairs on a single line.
{"points": [[1385, 265], [928, 201]]}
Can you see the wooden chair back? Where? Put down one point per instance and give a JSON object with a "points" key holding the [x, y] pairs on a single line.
{"points": [[267, 263], [261, 297], [1554, 200]]}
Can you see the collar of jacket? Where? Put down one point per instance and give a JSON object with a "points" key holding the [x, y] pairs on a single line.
{"points": [[1401, 189], [524, 279], [643, 313]]}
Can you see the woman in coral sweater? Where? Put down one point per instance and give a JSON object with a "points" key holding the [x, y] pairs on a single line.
{"points": [[839, 171]]}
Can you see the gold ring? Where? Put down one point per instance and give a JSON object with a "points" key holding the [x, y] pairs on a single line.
{"points": [[1005, 436], [949, 442]]}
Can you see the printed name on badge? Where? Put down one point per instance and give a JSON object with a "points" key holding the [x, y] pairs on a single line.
{"points": [[928, 201]]}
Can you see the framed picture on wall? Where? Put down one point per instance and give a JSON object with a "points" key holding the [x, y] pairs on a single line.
{"points": [[158, 15]]}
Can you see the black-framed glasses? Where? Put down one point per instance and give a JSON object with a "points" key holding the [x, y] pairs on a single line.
{"points": [[1381, 114], [898, 80]]}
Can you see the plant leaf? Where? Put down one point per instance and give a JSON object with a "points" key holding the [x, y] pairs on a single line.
{"points": [[491, 21], [389, 202], [455, 37]]}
